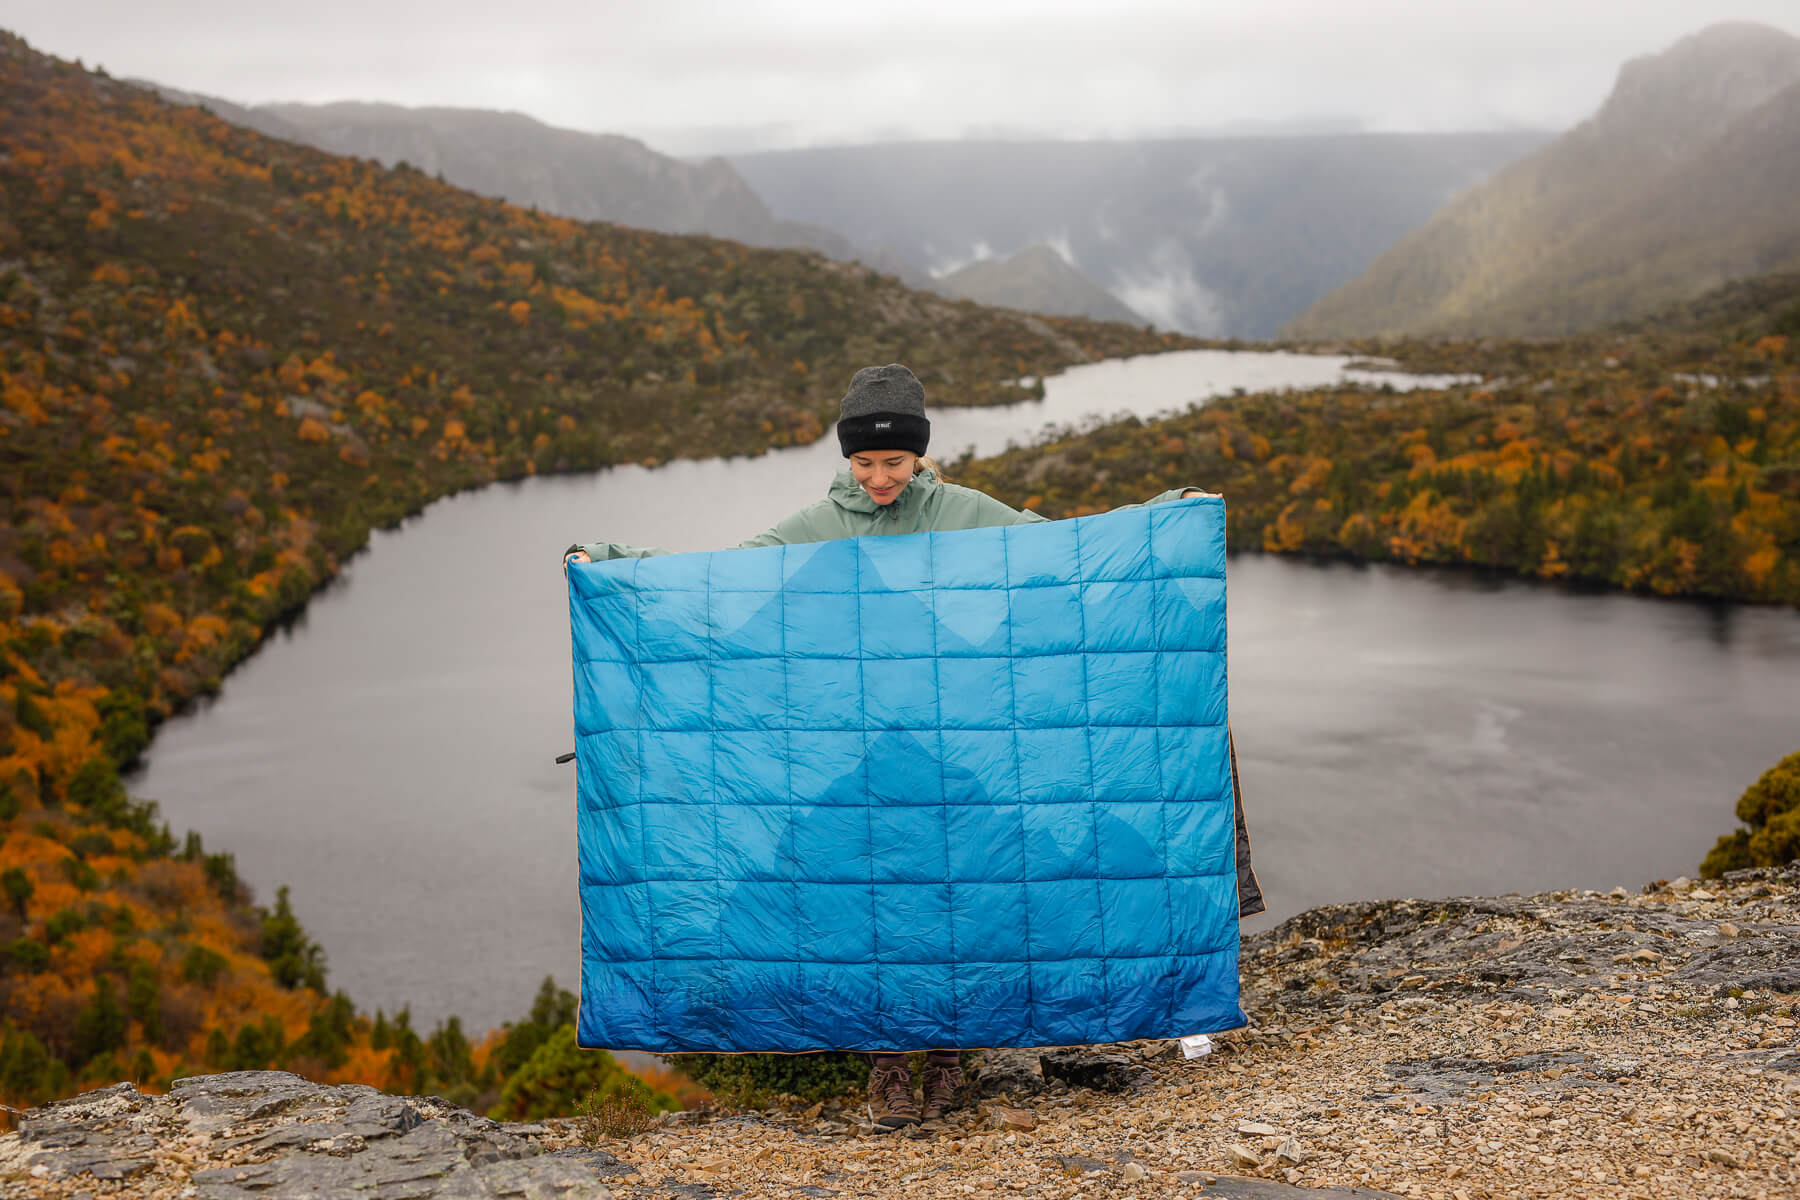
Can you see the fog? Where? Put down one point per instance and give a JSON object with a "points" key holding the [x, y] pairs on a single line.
{"points": [[701, 76]]}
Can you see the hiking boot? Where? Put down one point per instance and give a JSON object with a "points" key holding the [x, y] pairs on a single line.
{"points": [[942, 1082], [891, 1102]]}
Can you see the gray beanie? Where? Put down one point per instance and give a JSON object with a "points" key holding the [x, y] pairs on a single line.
{"points": [[884, 410]]}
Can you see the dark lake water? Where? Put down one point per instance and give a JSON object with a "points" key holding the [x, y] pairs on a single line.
{"points": [[1400, 732]]}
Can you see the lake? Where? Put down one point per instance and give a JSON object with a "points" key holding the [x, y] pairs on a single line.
{"points": [[1400, 732]]}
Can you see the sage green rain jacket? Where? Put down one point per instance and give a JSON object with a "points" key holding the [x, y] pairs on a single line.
{"points": [[927, 505]]}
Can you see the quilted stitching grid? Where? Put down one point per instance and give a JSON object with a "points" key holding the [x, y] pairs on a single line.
{"points": [[1087, 708], [1080, 585], [937, 683]]}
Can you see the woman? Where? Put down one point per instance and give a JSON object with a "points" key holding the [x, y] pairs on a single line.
{"points": [[888, 487]]}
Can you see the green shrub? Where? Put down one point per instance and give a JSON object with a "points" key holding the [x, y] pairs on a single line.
{"points": [[561, 1075], [91, 844], [746, 1080], [553, 1008], [100, 1026], [124, 726], [256, 1047], [29, 716], [29, 1073], [143, 1002], [25, 954], [221, 870], [294, 959], [18, 888], [203, 965], [96, 787], [330, 1033], [625, 1113], [80, 874], [62, 923], [1770, 811]]}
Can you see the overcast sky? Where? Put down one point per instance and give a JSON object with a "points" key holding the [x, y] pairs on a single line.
{"points": [[693, 75]]}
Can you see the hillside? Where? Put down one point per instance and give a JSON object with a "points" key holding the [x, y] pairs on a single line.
{"points": [[1223, 236], [1666, 461], [224, 359], [1220, 237], [513, 157], [1630, 1044], [1682, 181], [1036, 279]]}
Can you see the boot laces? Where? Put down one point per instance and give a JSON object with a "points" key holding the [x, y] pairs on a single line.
{"points": [[941, 1081], [895, 1086]]}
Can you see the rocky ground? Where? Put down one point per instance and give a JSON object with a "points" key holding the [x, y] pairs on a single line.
{"points": [[1572, 1044]]}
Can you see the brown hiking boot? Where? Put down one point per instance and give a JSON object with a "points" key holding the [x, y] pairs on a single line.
{"points": [[891, 1102], [942, 1082]]}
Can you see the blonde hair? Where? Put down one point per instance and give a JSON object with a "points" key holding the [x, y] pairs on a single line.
{"points": [[925, 460]]}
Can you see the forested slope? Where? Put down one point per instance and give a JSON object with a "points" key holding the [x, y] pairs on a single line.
{"points": [[1663, 460]]}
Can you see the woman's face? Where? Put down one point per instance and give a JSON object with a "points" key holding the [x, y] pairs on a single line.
{"points": [[883, 473]]}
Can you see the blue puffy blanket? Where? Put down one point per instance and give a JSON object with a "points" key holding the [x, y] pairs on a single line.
{"points": [[943, 790]]}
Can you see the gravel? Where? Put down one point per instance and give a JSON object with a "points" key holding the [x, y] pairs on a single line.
{"points": [[1632, 1044]]}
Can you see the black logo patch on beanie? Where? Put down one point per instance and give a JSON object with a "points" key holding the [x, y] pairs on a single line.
{"points": [[883, 431]]}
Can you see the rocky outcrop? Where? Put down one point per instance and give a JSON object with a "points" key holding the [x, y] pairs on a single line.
{"points": [[1535, 950], [269, 1133], [1036, 279], [1640, 1044]]}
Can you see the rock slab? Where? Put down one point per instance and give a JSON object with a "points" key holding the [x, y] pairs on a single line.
{"points": [[268, 1133]]}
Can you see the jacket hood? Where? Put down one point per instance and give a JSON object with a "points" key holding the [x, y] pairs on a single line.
{"points": [[845, 493]]}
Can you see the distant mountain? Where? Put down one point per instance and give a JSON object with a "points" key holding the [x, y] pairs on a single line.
{"points": [[1686, 178], [259, 119], [1213, 236], [1744, 310], [1036, 279], [1220, 236], [588, 176]]}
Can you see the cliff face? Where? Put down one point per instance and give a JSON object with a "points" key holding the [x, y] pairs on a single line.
{"points": [[1683, 180], [1224, 236], [1622, 1045]]}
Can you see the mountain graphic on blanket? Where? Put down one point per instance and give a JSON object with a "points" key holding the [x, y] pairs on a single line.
{"points": [[948, 789]]}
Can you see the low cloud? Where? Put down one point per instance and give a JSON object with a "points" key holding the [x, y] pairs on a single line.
{"points": [[794, 72]]}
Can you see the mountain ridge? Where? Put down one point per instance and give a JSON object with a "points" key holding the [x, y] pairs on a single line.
{"points": [[1679, 182], [1215, 237], [515, 157], [1229, 235], [1036, 279]]}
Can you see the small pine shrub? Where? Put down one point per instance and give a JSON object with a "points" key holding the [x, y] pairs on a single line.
{"points": [[751, 1080], [560, 1076], [623, 1112], [1770, 811]]}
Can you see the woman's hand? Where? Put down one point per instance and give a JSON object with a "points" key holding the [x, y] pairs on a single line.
{"points": [[1192, 492], [576, 556]]}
